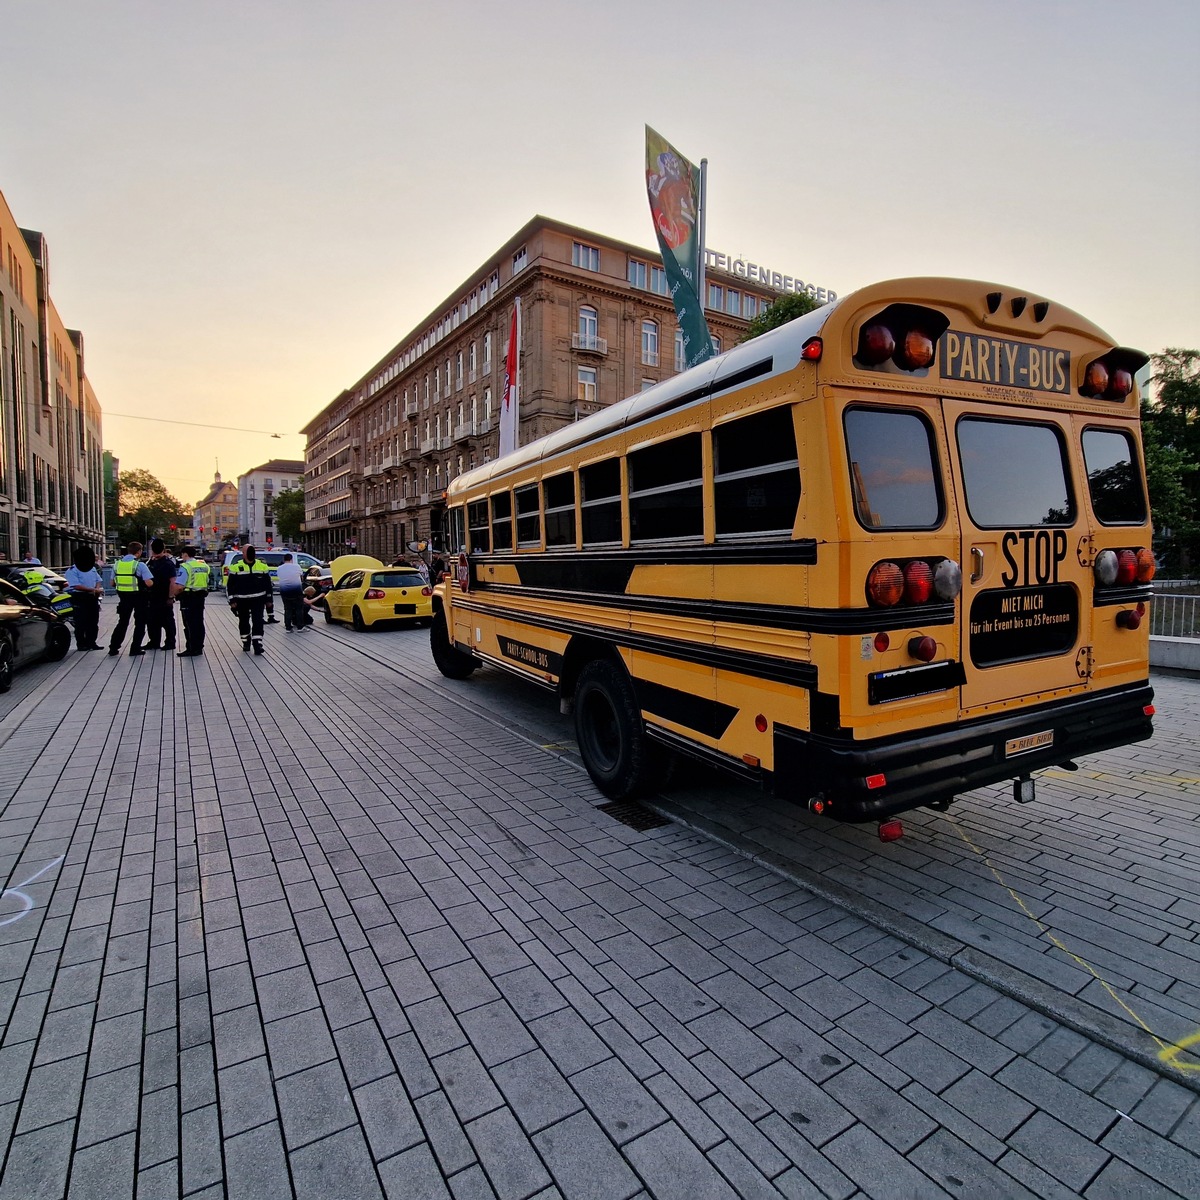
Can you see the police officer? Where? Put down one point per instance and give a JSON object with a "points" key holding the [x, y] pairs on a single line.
{"points": [[191, 586], [248, 586], [132, 578], [86, 589], [160, 606]]}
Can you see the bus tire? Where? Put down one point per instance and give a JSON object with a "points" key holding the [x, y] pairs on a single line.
{"points": [[448, 659], [610, 732]]}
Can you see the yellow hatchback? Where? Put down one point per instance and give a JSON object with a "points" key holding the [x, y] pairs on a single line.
{"points": [[366, 598]]}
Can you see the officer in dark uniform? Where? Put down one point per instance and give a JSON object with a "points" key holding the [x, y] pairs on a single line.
{"points": [[160, 607], [248, 586]]}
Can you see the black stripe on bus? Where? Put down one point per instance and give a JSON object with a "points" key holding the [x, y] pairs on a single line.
{"points": [[708, 717], [1132, 594], [845, 621], [755, 666]]}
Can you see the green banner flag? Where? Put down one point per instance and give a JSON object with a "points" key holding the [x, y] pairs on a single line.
{"points": [[673, 186]]}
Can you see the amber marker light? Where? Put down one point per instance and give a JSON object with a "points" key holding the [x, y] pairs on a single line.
{"points": [[915, 352], [885, 584], [1146, 565]]}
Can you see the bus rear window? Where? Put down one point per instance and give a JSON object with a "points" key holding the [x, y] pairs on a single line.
{"points": [[1015, 474], [892, 469], [1114, 480]]}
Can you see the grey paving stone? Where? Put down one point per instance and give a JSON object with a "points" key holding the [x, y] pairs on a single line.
{"points": [[335, 1168], [746, 1135], [445, 1132], [200, 1148], [878, 1107], [876, 1168], [496, 1033], [53, 1094], [1117, 1180], [959, 1038], [568, 1041], [1070, 1158], [388, 1118], [584, 1163], [513, 1167], [413, 1173], [298, 1042], [110, 1106], [801, 1102], [1057, 1097], [238, 1035], [1173, 1166], [622, 1106], [956, 1167], [105, 1169], [158, 1133], [813, 1054], [256, 1166], [314, 1103], [536, 1090], [466, 1083], [247, 1097], [684, 1111], [672, 1166], [38, 1163]]}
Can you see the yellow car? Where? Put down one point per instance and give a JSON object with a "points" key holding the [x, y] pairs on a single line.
{"points": [[367, 597]]}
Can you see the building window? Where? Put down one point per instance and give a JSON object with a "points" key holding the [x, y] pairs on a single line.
{"points": [[680, 357], [658, 280], [750, 306], [647, 384], [520, 260], [588, 328], [487, 351], [587, 257], [458, 374], [473, 361], [637, 273], [494, 283], [733, 301], [716, 296], [716, 341], [587, 385], [650, 343]]}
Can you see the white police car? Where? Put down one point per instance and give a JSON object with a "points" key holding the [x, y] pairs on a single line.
{"points": [[272, 558]]}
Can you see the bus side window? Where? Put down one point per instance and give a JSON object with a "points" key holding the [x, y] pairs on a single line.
{"points": [[756, 474], [666, 490], [502, 530], [1114, 481], [600, 494], [559, 495], [529, 516], [477, 526]]}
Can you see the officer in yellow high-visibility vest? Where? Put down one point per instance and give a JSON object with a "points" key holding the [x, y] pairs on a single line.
{"points": [[191, 586], [132, 579], [248, 586]]}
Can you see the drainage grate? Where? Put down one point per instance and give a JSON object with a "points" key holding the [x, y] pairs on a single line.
{"points": [[630, 813]]}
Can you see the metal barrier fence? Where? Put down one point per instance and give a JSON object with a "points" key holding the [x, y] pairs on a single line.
{"points": [[1175, 609]]}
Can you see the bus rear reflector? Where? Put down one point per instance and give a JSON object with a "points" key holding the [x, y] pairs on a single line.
{"points": [[891, 831], [875, 781], [1148, 710], [760, 723], [882, 642]]}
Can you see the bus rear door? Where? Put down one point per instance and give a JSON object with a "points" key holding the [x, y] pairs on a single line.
{"points": [[1026, 608]]}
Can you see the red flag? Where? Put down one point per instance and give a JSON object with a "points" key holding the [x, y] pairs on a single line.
{"points": [[510, 398]]}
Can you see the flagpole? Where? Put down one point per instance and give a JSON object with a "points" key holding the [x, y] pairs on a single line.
{"points": [[517, 382], [702, 205]]}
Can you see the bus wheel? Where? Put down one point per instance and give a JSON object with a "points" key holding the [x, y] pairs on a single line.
{"points": [[609, 729], [452, 662]]}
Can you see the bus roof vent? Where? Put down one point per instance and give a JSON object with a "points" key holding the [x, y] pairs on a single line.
{"points": [[1040, 309], [993, 301], [1018, 305]]}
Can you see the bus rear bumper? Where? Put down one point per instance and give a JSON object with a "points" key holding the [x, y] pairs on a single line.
{"points": [[934, 766]]}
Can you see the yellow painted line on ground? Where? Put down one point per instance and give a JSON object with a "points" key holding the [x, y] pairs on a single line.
{"points": [[1169, 1052]]}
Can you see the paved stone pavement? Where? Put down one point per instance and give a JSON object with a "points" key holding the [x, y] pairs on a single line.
{"points": [[312, 925]]}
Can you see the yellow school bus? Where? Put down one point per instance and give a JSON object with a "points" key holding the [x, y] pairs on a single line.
{"points": [[893, 550]]}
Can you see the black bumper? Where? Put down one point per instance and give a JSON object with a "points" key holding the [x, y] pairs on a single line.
{"points": [[935, 765]]}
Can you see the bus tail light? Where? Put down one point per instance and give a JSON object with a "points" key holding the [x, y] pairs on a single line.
{"points": [[1145, 565], [904, 334], [885, 584], [1148, 710], [1105, 568], [1095, 380], [1129, 618], [947, 579], [924, 649], [811, 351], [1110, 377], [1120, 568], [918, 581], [1126, 567]]}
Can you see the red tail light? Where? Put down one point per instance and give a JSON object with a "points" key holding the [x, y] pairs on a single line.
{"points": [[427, 591], [1145, 565], [1120, 384], [876, 344], [918, 582], [891, 831], [923, 649], [905, 334], [375, 594], [1126, 567], [885, 584], [1095, 380], [812, 350]]}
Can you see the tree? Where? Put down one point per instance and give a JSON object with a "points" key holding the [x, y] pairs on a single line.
{"points": [[1171, 439], [146, 509], [289, 513], [779, 312]]}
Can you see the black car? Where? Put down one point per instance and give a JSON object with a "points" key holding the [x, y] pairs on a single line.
{"points": [[28, 633]]}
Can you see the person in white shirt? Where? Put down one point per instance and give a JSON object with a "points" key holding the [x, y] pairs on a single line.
{"points": [[289, 578]]}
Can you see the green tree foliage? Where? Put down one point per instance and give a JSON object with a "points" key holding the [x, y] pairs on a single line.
{"points": [[146, 509], [288, 510], [779, 312], [1171, 438]]}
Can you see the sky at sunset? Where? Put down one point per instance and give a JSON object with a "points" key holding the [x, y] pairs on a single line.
{"points": [[248, 204]]}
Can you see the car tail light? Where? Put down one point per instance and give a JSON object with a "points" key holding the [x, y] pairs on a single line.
{"points": [[375, 594], [885, 584], [1126, 567], [1145, 565], [427, 591], [918, 582]]}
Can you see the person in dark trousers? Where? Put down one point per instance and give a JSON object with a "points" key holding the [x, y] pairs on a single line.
{"points": [[248, 586], [191, 586], [290, 580], [160, 607], [132, 579], [86, 589]]}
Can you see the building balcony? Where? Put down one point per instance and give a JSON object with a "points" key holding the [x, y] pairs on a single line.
{"points": [[589, 343], [411, 408], [484, 426], [472, 376], [423, 498], [649, 358], [443, 443], [428, 445], [399, 505], [464, 429]]}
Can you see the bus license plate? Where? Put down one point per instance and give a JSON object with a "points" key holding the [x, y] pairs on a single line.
{"points": [[1031, 741]]}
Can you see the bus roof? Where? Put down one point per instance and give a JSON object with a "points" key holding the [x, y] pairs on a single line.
{"points": [[779, 352]]}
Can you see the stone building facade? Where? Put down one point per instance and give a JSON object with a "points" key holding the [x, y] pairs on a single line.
{"points": [[597, 326]]}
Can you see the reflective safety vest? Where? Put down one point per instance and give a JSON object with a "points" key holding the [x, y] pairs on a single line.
{"points": [[242, 566], [125, 575], [197, 575], [32, 580]]}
